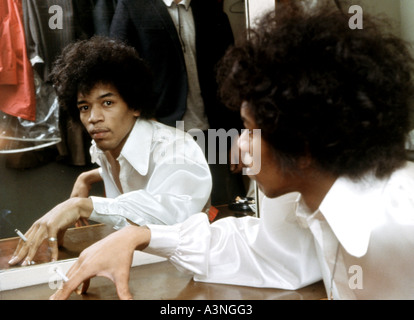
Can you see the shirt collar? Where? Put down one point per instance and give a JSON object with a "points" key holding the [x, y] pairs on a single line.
{"points": [[352, 209], [137, 148], [185, 3]]}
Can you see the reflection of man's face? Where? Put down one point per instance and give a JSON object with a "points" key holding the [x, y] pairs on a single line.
{"points": [[106, 117]]}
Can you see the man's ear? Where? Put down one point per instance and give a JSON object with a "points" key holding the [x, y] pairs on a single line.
{"points": [[137, 113], [305, 162]]}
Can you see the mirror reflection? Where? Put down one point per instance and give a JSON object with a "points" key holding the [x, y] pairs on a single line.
{"points": [[32, 182], [42, 176]]}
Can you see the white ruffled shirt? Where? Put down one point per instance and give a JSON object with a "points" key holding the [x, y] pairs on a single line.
{"points": [[360, 242], [164, 176]]}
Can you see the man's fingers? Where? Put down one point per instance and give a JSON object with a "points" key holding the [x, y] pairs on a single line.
{"points": [[33, 245], [85, 287], [54, 249], [122, 289], [19, 253], [61, 236], [68, 287], [53, 241], [23, 247], [72, 284], [121, 280], [81, 222]]}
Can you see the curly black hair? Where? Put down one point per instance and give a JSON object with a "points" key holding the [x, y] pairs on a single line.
{"points": [[318, 88], [85, 63]]}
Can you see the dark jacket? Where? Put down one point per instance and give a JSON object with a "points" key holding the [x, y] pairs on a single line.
{"points": [[147, 25]]}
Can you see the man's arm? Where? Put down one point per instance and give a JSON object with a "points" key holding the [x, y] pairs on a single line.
{"points": [[81, 189], [273, 251], [247, 251]]}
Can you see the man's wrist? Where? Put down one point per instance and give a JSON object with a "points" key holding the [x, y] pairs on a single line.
{"points": [[85, 207], [139, 236]]}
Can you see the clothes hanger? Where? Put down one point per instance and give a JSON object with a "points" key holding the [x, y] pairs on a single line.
{"points": [[233, 8]]}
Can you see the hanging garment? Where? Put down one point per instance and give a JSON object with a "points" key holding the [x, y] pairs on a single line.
{"points": [[103, 12], [50, 25], [17, 92], [147, 26]]}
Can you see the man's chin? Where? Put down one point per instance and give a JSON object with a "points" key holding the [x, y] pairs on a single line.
{"points": [[269, 192], [103, 145]]}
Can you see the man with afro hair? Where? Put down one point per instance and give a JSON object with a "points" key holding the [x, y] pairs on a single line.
{"points": [[152, 173]]}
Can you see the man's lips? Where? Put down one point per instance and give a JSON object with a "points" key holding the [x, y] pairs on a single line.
{"points": [[98, 133]]}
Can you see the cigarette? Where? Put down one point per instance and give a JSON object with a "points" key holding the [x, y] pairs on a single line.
{"points": [[21, 235], [62, 275]]}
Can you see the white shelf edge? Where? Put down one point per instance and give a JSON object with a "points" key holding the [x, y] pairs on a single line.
{"points": [[16, 278]]}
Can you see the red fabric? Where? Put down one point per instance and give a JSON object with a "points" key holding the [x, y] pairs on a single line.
{"points": [[17, 92], [212, 213]]}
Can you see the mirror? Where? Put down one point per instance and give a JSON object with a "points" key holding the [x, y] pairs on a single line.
{"points": [[33, 182]]}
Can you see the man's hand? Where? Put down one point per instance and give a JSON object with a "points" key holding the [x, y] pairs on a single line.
{"points": [[50, 227], [84, 182], [82, 187], [98, 260]]}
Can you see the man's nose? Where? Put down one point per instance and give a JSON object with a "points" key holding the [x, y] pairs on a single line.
{"points": [[95, 115], [244, 141]]}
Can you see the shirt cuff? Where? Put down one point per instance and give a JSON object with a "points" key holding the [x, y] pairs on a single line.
{"points": [[185, 244], [101, 213], [164, 239]]}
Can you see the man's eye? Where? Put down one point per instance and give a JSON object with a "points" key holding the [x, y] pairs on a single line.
{"points": [[108, 103], [83, 108]]}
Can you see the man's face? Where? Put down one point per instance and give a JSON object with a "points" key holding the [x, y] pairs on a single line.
{"points": [[106, 117], [271, 179]]}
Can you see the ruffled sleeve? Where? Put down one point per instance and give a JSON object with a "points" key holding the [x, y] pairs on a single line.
{"points": [[273, 251], [185, 244]]}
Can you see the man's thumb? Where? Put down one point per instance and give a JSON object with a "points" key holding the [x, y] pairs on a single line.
{"points": [[122, 290]]}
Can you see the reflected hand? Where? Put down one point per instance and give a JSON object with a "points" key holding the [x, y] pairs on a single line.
{"points": [[82, 188], [84, 182], [98, 260], [51, 226]]}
